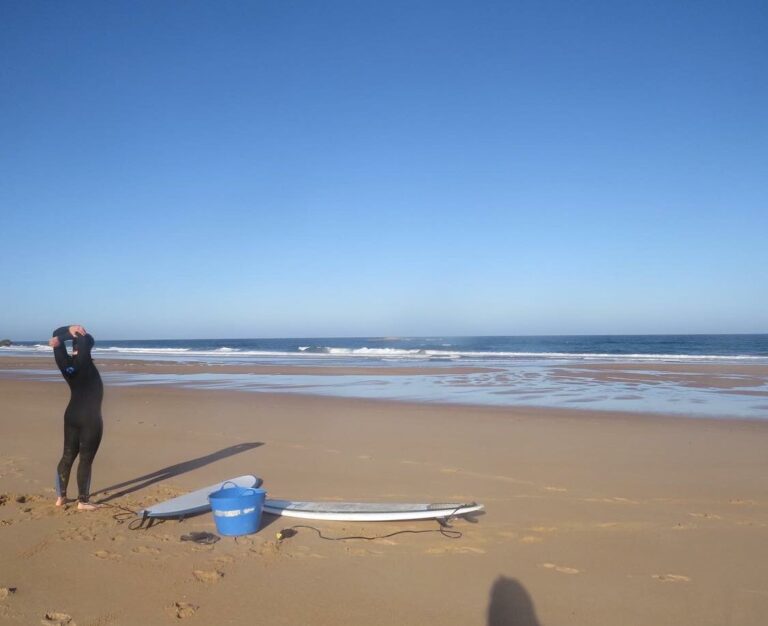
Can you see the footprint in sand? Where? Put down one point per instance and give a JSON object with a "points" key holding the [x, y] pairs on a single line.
{"points": [[671, 578], [203, 548], [6, 591], [106, 555], [508, 534], [35, 549], [182, 610], [614, 500], [455, 550], [54, 618], [561, 568], [751, 523], [208, 576], [9, 467], [263, 549], [301, 552], [146, 550], [359, 552], [77, 534], [225, 559], [103, 620], [24, 498], [310, 555], [531, 539]]}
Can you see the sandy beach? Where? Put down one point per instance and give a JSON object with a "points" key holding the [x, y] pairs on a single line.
{"points": [[592, 518], [507, 257]]}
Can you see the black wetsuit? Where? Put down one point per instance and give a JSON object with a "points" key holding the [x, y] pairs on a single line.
{"points": [[82, 419]]}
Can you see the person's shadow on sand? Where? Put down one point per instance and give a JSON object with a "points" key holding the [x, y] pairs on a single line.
{"points": [[510, 604], [134, 484]]}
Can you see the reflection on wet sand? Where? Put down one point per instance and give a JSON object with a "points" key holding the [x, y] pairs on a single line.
{"points": [[719, 390]]}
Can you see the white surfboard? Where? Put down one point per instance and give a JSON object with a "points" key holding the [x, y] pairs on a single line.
{"points": [[196, 501], [368, 511]]}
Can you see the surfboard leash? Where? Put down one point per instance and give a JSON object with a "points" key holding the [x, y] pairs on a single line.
{"points": [[134, 521], [292, 531]]}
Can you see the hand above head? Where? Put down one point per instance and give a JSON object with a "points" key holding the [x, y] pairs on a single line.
{"points": [[76, 330], [54, 342]]}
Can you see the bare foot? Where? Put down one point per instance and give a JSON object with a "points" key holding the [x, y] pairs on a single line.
{"points": [[61, 501], [87, 506]]}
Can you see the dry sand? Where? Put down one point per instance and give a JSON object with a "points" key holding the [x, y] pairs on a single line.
{"points": [[592, 518]]}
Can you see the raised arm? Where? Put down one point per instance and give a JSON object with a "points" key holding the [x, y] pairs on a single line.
{"points": [[65, 333], [59, 336], [84, 346]]}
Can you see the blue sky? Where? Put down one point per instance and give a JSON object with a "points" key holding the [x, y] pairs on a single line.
{"points": [[256, 169]]}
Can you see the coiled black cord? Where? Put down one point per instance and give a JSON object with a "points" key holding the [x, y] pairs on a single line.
{"points": [[287, 533]]}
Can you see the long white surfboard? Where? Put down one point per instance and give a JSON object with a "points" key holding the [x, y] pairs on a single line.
{"points": [[368, 511], [196, 501]]}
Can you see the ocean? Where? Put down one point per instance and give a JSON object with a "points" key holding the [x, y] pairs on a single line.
{"points": [[404, 350], [720, 376]]}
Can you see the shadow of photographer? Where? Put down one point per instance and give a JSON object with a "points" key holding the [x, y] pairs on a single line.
{"points": [[510, 604]]}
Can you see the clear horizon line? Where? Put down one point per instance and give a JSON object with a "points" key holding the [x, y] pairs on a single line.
{"points": [[396, 337]]}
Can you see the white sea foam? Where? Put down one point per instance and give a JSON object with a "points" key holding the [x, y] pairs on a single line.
{"points": [[608, 355], [374, 351], [455, 354], [189, 352], [39, 347], [144, 350], [389, 354]]}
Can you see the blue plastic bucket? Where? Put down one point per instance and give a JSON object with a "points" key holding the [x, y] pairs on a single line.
{"points": [[237, 510]]}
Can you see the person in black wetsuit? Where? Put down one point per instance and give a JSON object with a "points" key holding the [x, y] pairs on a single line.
{"points": [[82, 419]]}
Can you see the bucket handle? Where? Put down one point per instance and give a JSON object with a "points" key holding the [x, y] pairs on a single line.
{"points": [[236, 486]]}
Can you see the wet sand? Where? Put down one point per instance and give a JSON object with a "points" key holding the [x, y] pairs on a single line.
{"points": [[192, 367], [700, 375], [591, 518]]}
